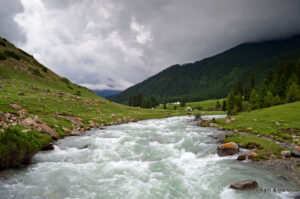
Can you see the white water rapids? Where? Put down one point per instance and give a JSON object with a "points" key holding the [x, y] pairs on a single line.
{"points": [[162, 158]]}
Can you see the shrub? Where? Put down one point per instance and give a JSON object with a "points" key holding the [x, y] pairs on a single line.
{"points": [[2, 43], [2, 56], [78, 93], [63, 79], [25, 53], [12, 54], [35, 71]]}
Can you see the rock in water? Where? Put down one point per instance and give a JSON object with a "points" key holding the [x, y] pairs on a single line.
{"points": [[48, 147], [242, 157], [229, 148], [286, 153], [244, 185]]}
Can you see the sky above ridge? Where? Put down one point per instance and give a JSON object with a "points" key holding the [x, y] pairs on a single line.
{"points": [[114, 44]]}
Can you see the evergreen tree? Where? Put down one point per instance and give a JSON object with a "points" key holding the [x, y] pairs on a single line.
{"points": [[230, 103], [252, 81], [253, 100], [130, 101], [238, 103], [165, 106], [276, 100], [182, 103], [175, 107], [261, 96], [268, 99], [218, 105], [224, 106], [247, 92], [293, 93]]}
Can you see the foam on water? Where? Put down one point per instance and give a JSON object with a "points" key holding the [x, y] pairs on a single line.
{"points": [[166, 158]]}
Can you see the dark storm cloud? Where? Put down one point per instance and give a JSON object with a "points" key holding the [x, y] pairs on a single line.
{"points": [[104, 43], [8, 27]]}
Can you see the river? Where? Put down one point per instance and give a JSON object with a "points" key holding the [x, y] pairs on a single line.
{"points": [[161, 158]]}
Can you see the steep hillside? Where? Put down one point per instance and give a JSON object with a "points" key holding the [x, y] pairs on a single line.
{"points": [[213, 77], [37, 106]]}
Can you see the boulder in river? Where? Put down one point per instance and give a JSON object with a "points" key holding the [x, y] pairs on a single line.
{"points": [[252, 154], [242, 157], [244, 185], [229, 148]]}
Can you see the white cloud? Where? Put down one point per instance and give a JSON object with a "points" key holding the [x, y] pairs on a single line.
{"points": [[143, 34]]}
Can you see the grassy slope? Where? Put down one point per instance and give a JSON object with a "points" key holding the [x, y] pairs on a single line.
{"points": [[42, 95], [280, 123]]}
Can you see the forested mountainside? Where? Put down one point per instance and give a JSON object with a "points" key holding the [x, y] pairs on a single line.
{"points": [[213, 77]]}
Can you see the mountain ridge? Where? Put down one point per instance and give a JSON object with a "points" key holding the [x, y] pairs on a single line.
{"points": [[212, 77]]}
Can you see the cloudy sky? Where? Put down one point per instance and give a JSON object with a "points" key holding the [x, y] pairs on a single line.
{"points": [[113, 44]]}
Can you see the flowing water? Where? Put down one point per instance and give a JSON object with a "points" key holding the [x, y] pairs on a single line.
{"points": [[163, 158]]}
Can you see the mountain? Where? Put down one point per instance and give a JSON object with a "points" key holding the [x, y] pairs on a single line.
{"points": [[105, 93], [213, 77], [38, 106]]}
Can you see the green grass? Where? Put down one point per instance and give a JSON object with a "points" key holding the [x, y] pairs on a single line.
{"points": [[206, 107], [278, 122], [264, 148]]}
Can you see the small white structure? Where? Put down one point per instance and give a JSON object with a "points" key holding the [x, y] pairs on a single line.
{"points": [[188, 109]]}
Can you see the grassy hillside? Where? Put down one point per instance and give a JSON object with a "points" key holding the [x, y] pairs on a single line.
{"points": [[212, 78], [278, 122], [35, 100]]}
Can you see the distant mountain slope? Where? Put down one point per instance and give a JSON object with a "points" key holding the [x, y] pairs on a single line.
{"points": [[213, 77], [105, 93]]}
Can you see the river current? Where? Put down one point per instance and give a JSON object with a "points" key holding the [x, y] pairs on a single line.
{"points": [[160, 158]]}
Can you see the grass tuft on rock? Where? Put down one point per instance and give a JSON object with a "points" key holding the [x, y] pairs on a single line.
{"points": [[17, 147]]}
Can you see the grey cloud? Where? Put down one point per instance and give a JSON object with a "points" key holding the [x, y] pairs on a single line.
{"points": [[117, 43], [8, 27]]}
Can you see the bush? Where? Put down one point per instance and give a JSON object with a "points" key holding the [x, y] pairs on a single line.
{"points": [[35, 71], [78, 93], [17, 147], [63, 79], [25, 53], [2, 43], [2, 56], [12, 54]]}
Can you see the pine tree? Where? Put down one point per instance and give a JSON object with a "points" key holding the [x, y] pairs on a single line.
{"points": [[268, 99], [276, 100], [252, 81], [130, 101], [293, 93], [224, 106], [175, 107], [230, 103], [253, 100], [238, 103], [182, 103], [218, 105], [165, 106]]}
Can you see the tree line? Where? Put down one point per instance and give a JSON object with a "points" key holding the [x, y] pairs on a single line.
{"points": [[282, 85], [139, 101]]}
